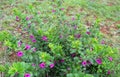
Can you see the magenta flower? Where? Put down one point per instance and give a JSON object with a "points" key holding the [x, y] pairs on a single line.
{"points": [[73, 18], [33, 64], [88, 32], [84, 63], [73, 54], [44, 38], [110, 58], [108, 72], [19, 53], [53, 11], [62, 9], [75, 27], [27, 47], [27, 18], [62, 60], [77, 35], [99, 61], [27, 75], [19, 43], [42, 65], [33, 40], [102, 42], [17, 18], [52, 65], [34, 49], [61, 36], [32, 37]]}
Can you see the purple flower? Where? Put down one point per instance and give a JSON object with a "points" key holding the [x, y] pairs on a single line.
{"points": [[19, 43], [68, 68], [33, 40], [33, 64], [42, 65], [19, 53], [17, 18], [27, 47], [52, 65], [110, 58], [61, 36], [32, 37], [88, 32], [99, 61], [34, 49], [27, 18], [75, 27], [84, 63], [53, 11], [73, 54], [39, 12], [73, 18], [44, 38], [108, 72], [27, 75], [102, 42], [77, 35], [62, 9], [62, 60]]}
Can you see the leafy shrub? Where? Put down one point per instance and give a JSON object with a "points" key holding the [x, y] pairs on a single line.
{"points": [[60, 46]]}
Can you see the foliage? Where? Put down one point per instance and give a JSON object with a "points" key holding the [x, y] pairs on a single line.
{"points": [[58, 45]]}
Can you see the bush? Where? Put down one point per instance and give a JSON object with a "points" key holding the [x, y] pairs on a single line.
{"points": [[59, 46]]}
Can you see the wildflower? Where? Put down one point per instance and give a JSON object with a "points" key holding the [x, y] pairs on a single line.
{"points": [[42, 65], [19, 43], [33, 40], [77, 35], [88, 32], [27, 47], [61, 36], [108, 72], [53, 11], [33, 64], [75, 27], [27, 75], [27, 18], [17, 18], [110, 58], [84, 63], [32, 37], [44, 38], [62, 60], [99, 61], [73, 54], [34, 49], [102, 42], [19, 53], [39, 12], [62, 9], [73, 18], [68, 68], [52, 65]]}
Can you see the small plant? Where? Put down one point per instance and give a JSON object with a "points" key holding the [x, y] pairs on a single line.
{"points": [[58, 45]]}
